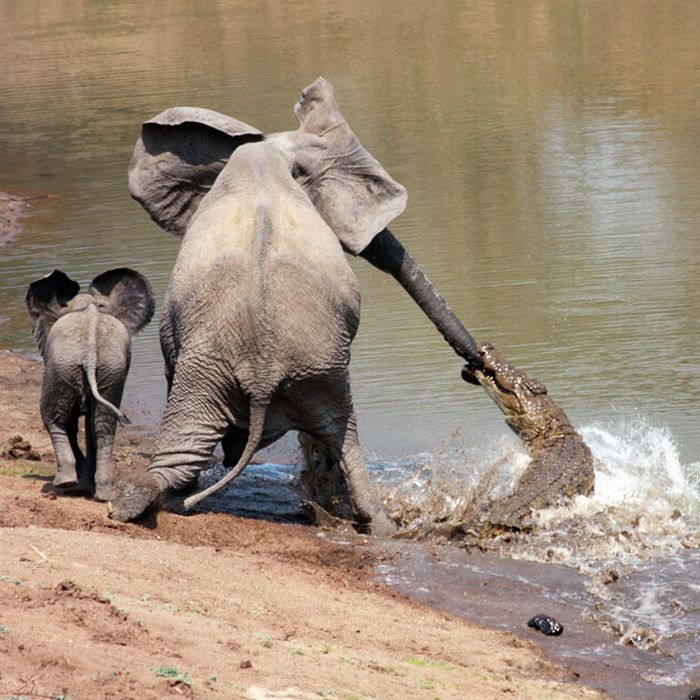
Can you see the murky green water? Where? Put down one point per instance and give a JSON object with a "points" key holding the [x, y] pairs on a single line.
{"points": [[550, 152]]}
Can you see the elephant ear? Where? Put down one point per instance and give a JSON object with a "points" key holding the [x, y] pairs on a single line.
{"points": [[353, 193], [129, 294], [177, 158], [46, 302]]}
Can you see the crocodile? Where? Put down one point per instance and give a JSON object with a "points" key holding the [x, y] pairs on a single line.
{"points": [[561, 464]]}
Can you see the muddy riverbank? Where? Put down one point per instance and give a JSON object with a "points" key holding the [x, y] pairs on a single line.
{"points": [[212, 605], [11, 210]]}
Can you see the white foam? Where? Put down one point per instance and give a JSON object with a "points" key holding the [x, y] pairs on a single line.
{"points": [[639, 476], [635, 538]]}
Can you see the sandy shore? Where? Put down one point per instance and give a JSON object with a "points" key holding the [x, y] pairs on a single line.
{"points": [[210, 606]]}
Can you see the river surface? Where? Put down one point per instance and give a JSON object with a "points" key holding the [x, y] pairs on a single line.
{"points": [[551, 156]]}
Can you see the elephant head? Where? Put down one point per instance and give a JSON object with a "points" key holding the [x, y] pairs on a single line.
{"points": [[182, 151], [122, 293]]}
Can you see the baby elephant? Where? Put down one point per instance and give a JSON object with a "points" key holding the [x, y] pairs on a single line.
{"points": [[85, 340]]}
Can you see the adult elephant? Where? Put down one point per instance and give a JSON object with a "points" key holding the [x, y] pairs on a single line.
{"points": [[262, 305]]}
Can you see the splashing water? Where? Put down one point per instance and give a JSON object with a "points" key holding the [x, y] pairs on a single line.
{"points": [[636, 539], [433, 500], [641, 485], [641, 468], [646, 502]]}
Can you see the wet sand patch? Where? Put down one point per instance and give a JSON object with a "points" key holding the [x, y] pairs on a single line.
{"points": [[213, 605]]}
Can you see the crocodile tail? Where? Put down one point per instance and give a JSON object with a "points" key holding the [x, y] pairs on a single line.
{"points": [[258, 411], [90, 365]]}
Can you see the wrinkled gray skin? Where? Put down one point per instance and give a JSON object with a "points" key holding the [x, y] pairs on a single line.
{"points": [[85, 340], [262, 305]]}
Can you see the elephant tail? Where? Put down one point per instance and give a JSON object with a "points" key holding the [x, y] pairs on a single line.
{"points": [[258, 411], [90, 366]]}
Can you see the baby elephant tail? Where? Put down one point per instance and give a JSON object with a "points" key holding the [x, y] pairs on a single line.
{"points": [[258, 410], [90, 366]]}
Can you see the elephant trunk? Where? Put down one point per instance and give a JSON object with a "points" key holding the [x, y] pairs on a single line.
{"points": [[387, 253]]}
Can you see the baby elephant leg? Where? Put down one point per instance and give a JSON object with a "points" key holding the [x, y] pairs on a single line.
{"points": [[59, 414], [104, 426], [66, 473]]}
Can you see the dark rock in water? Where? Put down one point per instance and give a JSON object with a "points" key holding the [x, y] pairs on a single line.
{"points": [[694, 694], [546, 624]]}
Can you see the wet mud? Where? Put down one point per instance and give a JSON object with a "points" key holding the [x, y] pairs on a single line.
{"points": [[213, 605], [503, 594], [11, 211]]}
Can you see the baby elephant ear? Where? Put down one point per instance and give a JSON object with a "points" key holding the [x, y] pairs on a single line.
{"points": [[48, 294], [130, 296], [46, 300], [353, 193], [177, 158]]}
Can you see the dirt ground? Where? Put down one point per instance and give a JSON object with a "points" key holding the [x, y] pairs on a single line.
{"points": [[212, 606]]}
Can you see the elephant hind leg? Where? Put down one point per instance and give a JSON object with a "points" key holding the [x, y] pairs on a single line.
{"points": [[60, 411], [193, 423], [66, 463], [321, 480], [341, 440], [100, 429], [135, 498], [104, 425]]}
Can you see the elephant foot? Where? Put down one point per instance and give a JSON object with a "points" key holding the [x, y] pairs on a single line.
{"points": [[134, 500], [106, 491], [86, 480], [65, 479], [381, 526]]}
